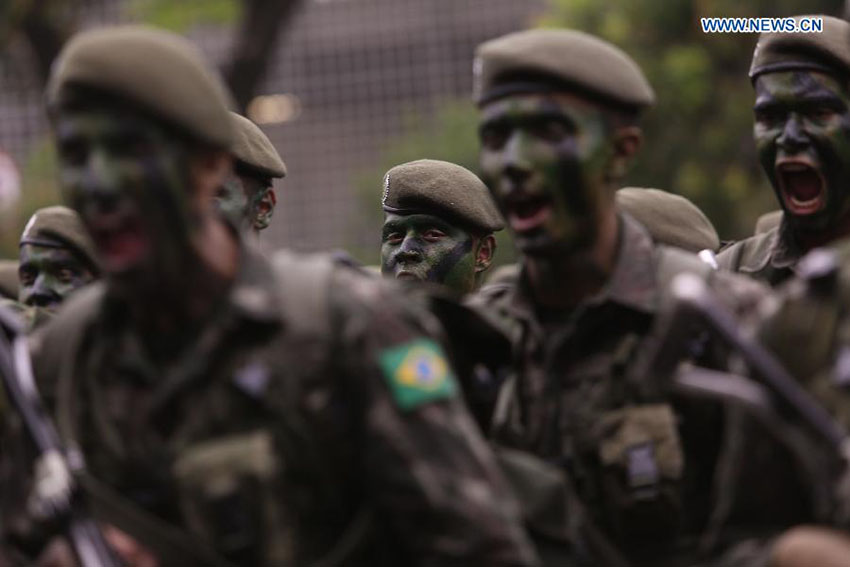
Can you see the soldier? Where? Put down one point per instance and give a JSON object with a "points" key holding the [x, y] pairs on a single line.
{"points": [[247, 197], [234, 410], [610, 470], [806, 326], [57, 258], [439, 221], [802, 135]]}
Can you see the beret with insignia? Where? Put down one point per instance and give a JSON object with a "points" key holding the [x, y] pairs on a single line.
{"points": [[253, 149], [157, 70], [827, 51], [559, 60], [60, 226], [670, 219], [441, 189]]}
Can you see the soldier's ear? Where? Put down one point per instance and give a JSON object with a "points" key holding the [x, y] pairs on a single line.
{"points": [[626, 141], [265, 208], [486, 251]]}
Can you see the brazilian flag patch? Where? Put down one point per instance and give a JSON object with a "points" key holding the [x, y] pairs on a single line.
{"points": [[417, 373]]}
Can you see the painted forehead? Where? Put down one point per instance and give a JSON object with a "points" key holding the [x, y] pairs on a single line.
{"points": [[416, 220], [799, 83], [55, 253], [563, 103]]}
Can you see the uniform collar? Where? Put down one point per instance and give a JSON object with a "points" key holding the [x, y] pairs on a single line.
{"points": [[632, 283], [784, 252]]}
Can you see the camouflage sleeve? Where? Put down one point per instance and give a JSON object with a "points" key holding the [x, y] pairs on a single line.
{"points": [[422, 459]]}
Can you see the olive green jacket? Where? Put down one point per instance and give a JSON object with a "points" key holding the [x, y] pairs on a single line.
{"points": [[769, 257], [313, 419], [573, 404]]}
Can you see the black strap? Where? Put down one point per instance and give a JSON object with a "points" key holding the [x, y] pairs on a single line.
{"points": [[172, 545]]}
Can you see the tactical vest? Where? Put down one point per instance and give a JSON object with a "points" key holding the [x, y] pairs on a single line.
{"points": [[218, 476], [638, 461]]}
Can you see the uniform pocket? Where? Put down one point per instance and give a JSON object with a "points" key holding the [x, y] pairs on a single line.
{"points": [[227, 495], [642, 463]]}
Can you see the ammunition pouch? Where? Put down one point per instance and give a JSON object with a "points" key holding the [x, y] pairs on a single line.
{"points": [[641, 466], [226, 495]]}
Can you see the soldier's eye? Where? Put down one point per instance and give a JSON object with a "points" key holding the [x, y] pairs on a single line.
{"points": [[493, 137], [550, 130], [768, 115], [393, 238], [131, 146], [73, 152], [433, 235], [66, 275], [821, 113], [26, 277]]}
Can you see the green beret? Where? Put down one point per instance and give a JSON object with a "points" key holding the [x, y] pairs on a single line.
{"points": [[161, 72], [442, 189], [558, 60], [58, 224], [827, 51], [254, 150], [670, 219]]}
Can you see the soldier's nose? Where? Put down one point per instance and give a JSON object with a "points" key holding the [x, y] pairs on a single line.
{"points": [[517, 176], [409, 251], [793, 138]]}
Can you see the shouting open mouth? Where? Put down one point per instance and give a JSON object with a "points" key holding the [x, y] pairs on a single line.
{"points": [[802, 185], [120, 239], [527, 214]]}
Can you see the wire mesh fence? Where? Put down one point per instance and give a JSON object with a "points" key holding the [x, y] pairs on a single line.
{"points": [[338, 88]]}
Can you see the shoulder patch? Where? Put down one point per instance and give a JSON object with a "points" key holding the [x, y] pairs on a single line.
{"points": [[417, 372]]}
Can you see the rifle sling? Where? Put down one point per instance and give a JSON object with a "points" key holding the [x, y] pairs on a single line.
{"points": [[172, 545]]}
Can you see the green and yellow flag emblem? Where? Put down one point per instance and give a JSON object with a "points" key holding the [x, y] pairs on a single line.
{"points": [[417, 372]]}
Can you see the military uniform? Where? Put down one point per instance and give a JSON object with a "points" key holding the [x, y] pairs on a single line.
{"points": [[610, 467], [309, 416], [769, 257], [298, 441], [571, 397]]}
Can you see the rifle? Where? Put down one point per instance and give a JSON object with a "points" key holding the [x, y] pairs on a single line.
{"points": [[769, 392], [56, 496]]}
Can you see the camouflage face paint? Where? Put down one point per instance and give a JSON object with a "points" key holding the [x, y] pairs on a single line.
{"points": [[243, 199], [49, 274], [128, 177], [232, 201], [802, 135], [422, 247], [546, 159]]}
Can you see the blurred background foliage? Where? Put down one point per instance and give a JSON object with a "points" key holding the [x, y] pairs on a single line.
{"points": [[180, 16], [45, 25], [698, 138]]}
